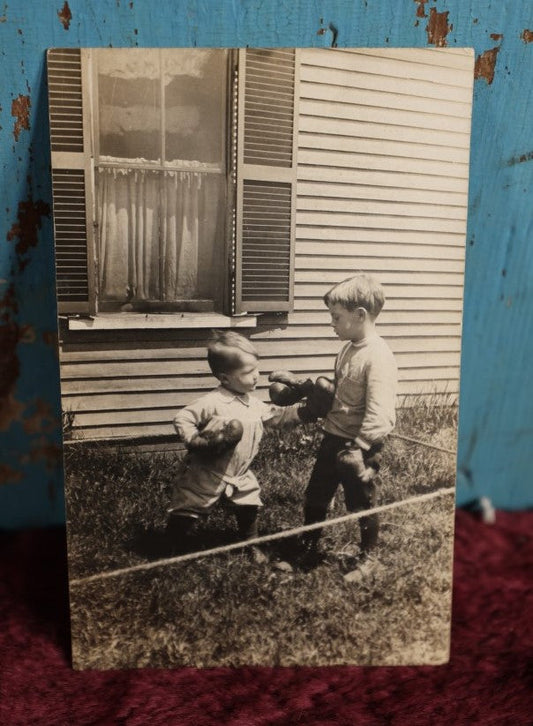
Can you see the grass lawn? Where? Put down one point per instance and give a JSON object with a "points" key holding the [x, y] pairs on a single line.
{"points": [[228, 610]]}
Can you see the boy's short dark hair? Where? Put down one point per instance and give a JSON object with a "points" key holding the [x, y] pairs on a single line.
{"points": [[224, 351], [359, 291]]}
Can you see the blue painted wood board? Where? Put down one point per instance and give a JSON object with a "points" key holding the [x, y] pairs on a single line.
{"points": [[496, 418]]}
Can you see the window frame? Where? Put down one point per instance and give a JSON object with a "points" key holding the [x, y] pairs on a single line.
{"points": [[72, 302]]}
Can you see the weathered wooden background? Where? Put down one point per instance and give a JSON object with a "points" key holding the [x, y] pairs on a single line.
{"points": [[496, 427]]}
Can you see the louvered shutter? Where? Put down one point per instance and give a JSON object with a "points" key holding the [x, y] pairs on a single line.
{"points": [[266, 180], [71, 180]]}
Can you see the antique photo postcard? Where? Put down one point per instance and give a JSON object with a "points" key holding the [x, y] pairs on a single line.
{"points": [[260, 261]]}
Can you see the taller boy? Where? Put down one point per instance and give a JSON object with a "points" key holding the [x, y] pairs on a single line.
{"points": [[362, 413]]}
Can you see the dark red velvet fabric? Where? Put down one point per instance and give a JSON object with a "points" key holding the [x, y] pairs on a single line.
{"points": [[488, 680]]}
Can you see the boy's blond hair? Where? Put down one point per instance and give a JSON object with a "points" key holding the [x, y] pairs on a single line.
{"points": [[359, 291], [224, 351]]}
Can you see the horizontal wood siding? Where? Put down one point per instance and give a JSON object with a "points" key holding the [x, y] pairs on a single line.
{"points": [[383, 147], [383, 152]]}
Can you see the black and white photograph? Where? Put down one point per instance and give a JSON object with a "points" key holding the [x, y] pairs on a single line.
{"points": [[260, 266]]}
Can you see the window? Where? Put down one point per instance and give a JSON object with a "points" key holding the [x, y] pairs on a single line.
{"points": [[173, 179], [160, 177]]}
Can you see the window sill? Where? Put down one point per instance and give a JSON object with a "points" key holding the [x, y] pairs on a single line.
{"points": [[159, 321]]}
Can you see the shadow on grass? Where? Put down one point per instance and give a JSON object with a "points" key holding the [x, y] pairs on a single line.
{"points": [[154, 544]]}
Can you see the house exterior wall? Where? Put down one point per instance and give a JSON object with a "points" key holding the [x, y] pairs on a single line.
{"points": [[385, 193]]}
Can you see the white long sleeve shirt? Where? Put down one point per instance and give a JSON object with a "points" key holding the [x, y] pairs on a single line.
{"points": [[366, 381], [204, 482]]}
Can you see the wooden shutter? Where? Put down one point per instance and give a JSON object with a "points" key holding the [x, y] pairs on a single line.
{"points": [[266, 180], [71, 180]]}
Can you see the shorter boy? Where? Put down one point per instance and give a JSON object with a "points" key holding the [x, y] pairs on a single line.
{"points": [[362, 413], [222, 431]]}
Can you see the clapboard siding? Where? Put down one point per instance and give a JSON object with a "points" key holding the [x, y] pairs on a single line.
{"points": [[437, 304], [378, 207], [382, 178], [334, 190], [123, 408]]}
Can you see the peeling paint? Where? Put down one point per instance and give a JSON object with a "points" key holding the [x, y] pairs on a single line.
{"points": [[20, 109], [486, 64], [10, 334], [51, 338], [421, 10], [44, 451], [65, 16], [10, 409], [334, 34], [527, 35], [30, 215], [41, 420], [438, 28], [496, 36], [520, 159], [8, 475]]}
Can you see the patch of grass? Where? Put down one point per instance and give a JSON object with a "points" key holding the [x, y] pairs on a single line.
{"points": [[226, 610]]}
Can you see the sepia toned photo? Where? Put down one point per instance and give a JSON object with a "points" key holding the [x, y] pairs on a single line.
{"points": [[260, 262]]}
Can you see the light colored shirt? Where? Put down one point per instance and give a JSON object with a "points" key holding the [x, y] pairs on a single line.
{"points": [[230, 472], [366, 381]]}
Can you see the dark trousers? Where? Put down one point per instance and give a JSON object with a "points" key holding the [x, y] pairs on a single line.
{"points": [[326, 477]]}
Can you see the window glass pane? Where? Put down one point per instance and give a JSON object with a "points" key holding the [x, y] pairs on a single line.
{"points": [[129, 103], [195, 103]]}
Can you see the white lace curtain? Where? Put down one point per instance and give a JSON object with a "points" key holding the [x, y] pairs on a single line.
{"points": [[157, 230]]}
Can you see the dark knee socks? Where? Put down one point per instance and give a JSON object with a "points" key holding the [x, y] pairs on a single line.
{"points": [[369, 532], [246, 516], [369, 528], [177, 529]]}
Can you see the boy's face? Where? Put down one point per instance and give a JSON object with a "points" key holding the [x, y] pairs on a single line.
{"points": [[347, 324], [242, 379]]}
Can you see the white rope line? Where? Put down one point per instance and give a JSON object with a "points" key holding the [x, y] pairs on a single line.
{"points": [[260, 540], [423, 443]]}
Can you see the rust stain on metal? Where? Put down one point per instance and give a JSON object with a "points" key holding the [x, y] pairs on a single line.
{"points": [[527, 35], [65, 16], [8, 475], [486, 64], [496, 36], [421, 10], [438, 28], [20, 109], [30, 215]]}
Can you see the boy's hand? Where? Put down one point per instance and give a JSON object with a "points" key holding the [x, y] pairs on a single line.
{"points": [[350, 461], [217, 438]]}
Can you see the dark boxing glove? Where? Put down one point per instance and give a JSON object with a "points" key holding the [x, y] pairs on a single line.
{"points": [[319, 400], [287, 388], [212, 441]]}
